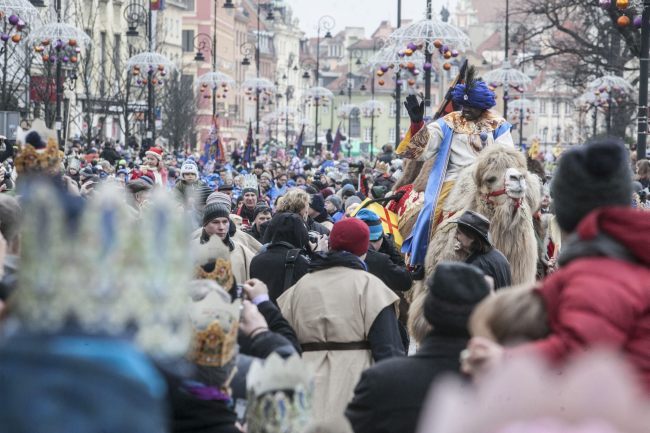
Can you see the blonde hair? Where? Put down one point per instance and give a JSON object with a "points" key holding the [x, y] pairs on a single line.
{"points": [[511, 315], [643, 168], [296, 200]]}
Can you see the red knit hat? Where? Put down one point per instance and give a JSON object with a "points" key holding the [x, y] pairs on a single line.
{"points": [[351, 235], [155, 152]]}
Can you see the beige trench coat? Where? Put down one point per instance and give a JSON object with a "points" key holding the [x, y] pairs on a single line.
{"points": [[335, 305]]}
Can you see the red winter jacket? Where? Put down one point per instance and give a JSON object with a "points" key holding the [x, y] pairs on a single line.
{"points": [[600, 296]]}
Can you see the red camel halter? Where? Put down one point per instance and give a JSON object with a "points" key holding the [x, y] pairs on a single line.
{"points": [[488, 198]]}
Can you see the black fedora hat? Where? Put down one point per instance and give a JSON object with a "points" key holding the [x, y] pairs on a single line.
{"points": [[477, 223]]}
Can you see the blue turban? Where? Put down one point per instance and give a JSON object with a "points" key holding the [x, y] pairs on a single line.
{"points": [[477, 96]]}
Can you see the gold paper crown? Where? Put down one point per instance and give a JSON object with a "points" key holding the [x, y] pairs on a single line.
{"points": [[279, 395], [214, 252], [382, 167], [111, 275], [30, 159], [215, 321]]}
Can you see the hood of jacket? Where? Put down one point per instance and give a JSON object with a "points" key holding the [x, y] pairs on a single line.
{"points": [[617, 232], [336, 258]]}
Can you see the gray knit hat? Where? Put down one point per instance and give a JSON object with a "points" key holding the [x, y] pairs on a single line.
{"points": [[588, 177], [335, 200], [219, 197], [351, 200]]}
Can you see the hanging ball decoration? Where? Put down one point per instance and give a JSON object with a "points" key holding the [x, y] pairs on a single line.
{"points": [[21, 25], [4, 37], [408, 52], [58, 45], [145, 81], [45, 42], [384, 69], [39, 49], [411, 82], [52, 59], [623, 21], [446, 66], [427, 66], [13, 20], [16, 38], [410, 66], [72, 42], [437, 43], [161, 68], [506, 97], [45, 57], [411, 46], [444, 48], [135, 72], [622, 4], [77, 50], [154, 81], [637, 22], [400, 53], [454, 53], [447, 55], [416, 72], [380, 73], [381, 82], [139, 82], [65, 59]]}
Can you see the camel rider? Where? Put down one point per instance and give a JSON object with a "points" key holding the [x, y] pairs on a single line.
{"points": [[455, 141]]}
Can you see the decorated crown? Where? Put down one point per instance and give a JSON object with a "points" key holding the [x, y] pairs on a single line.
{"points": [[215, 321], [100, 271], [279, 395], [38, 151], [250, 182], [382, 167], [213, 262]]}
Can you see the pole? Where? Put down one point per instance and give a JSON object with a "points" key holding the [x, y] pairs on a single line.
{"points": [[257, 89], [316, 98], [507, 48], [59, 86], [427, 73], [521, 126], [150, 90], [214, 60], [398, 86], [372, 120], [642, 116], [350, 93]]}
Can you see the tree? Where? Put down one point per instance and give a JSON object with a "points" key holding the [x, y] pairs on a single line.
{"points": [[578, 42], [178, 103]]}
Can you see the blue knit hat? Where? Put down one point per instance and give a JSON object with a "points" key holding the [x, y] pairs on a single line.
{"points": [[373, 222]]}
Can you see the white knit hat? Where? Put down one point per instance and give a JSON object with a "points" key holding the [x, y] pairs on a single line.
{"points": [[189, 167]]}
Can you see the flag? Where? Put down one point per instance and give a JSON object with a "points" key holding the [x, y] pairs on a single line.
{"points": [[388, 220], [248, 150], [301, 138], [205, 156], [216, 150], [534, 150], [336, 145], [157, 5]]}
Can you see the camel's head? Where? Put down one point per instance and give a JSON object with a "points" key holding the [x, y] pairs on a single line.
{"points": [[500, 176]]}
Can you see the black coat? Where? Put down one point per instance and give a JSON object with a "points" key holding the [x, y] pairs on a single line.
{"points": [[493, 264], [193, 415], [270, 267], [397, 278], [390, 394]]}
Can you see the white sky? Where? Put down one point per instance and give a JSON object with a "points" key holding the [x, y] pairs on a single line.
{"points": [[359, 13]]}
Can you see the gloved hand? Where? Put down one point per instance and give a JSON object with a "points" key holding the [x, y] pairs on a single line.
{"points": [[414, 108]]}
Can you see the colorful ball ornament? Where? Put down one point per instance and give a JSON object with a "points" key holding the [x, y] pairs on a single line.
{"points": [[437, 43], [411, 46], [45, 57], [637, 22], [4, 37], [408, 52], [411, 82], [623, 21], [622, 4], [454, 53], [427, 66], [13, 20], [384, 69], [39, 49], [72, 42], [45, 42], [16, 38], [446, 66], [447, 55], [380, 73], [381, 82]]}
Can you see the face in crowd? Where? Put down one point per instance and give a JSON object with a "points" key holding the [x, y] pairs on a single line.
{"points": [[151, 161], [189, 177], [471, 113], [261, 218], [250, 199], [218, 226]]}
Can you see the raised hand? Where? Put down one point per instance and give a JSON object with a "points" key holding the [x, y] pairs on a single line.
{"points": [[415, 108]]}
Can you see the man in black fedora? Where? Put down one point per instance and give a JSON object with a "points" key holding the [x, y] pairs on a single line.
{"points": [[473, 240]]}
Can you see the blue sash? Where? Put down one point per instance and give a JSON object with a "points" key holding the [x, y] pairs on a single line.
{"points": [[416, 244]]}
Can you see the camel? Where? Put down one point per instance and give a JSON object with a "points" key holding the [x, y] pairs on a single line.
{"points": [[498, 186]]}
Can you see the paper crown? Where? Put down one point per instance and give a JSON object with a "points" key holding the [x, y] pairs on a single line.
{"points": [[279, 395], [215, 322], [38, 150], [213, 262], [100, 271], [250, 183], [382, 167]]}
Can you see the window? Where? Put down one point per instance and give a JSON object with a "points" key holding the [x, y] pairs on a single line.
{"points": [[391, 134], [355, 123], [102, 63], [188, 41], [568, 108], [117, 50], [542, 106], [393, 109], [556, 108]]}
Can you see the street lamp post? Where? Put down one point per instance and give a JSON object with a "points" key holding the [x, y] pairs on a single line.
{"points": [[428, 55], [356, 54], [642, 115], [326, 23], [398, 86], [59, 86]]}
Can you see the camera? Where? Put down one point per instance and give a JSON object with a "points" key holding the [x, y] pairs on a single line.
{"points": [[313, 236]]}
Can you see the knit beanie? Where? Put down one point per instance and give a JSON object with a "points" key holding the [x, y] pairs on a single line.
{"points": [[215, 210], [336, 201], [351, 200], [219, 197], [202, 194], [318, 204], [189, 167], [351, 235], [348, 190], [454, 289], [589, 177], [373, 222]]}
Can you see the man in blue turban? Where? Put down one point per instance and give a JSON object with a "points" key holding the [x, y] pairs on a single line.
{"points": [[454, 142]]}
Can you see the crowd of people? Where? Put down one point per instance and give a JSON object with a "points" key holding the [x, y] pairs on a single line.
{"points": [[187, 294]]}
